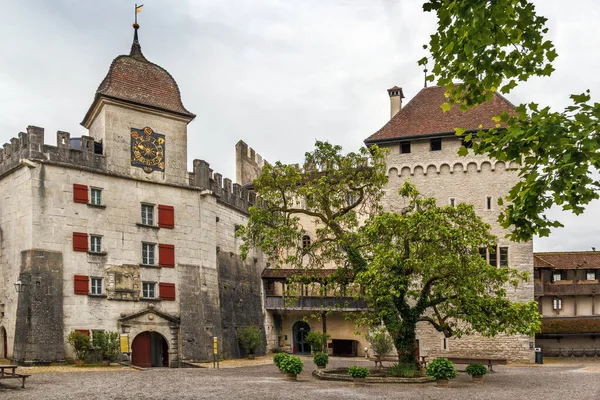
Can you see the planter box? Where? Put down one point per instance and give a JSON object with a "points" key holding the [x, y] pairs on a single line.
{"points": [[478, 378], [359, 381], [442, 382], [291, 377]]}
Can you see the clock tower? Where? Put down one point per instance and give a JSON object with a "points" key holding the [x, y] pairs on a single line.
{"points": [[139, 119]]}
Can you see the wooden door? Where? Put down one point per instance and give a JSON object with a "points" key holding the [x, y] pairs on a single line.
{"points": [[140, 350]]}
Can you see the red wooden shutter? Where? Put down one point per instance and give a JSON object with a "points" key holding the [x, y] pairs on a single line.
{"points": [[81, 284], [166, 255], [80, 193], [167, 291], [80, 241], [84, 331], [166, 217]]}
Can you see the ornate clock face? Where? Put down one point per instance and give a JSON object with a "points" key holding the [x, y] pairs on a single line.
{"points": [[147, 149]]}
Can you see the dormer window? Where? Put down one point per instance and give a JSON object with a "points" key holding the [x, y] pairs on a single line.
{"points": [[436, 144]]}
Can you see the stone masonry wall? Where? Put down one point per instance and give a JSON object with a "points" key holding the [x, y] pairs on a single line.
{"points": [[444, 175]]}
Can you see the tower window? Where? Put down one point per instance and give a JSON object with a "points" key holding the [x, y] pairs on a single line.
{"points": [[488, 202], [436, 144], [452, 201], [404, 147], [305, 241]]}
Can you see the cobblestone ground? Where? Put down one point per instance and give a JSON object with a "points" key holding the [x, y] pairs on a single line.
{"points": [[553, 381]]}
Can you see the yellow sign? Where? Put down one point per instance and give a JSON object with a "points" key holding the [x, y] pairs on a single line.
{"points": [[124, 341], [215, 346]]}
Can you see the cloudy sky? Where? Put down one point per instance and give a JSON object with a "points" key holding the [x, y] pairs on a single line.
{"points": [[277, 74]]}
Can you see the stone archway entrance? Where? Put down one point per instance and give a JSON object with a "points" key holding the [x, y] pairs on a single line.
{"points": [[3, 343], [300, 330], [150, 349]]}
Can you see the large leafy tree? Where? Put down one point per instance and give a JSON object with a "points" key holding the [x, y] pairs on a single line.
{"points": [[481, 47], [419, 264]]}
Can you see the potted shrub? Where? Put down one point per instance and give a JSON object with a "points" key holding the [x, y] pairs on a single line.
{"points": [[317, 341], [381, 344], [358, 374], [321, 360], [278, 358], [441, 370], [477, 371], [81, 344], [249, 338], [292, 366]]}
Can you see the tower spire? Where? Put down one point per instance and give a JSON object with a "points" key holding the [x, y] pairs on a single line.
{"points": [[136, 49]]}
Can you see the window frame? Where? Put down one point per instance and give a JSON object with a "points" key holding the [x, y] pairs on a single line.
{"points": [[587, 275], [93, 249], [433, 144], [95, 288], [557, 303], [146, 286], [95, 200], [503, 263], [404, 146], [493, 256], [147, 218], [147, 256], [452, 201], [306, 241]]}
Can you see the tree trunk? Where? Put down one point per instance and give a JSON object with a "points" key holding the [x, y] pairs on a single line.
{"points": [[406, 342]]}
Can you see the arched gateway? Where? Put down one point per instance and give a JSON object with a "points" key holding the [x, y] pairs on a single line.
{"points": [[150, 349], [3, 343]]}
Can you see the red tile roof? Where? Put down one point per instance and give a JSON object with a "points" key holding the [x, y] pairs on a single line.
{"points": [[567, 260], [423, 116], [132, 78]]}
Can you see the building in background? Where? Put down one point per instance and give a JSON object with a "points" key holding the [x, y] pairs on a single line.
{"points": [[568, 294]]}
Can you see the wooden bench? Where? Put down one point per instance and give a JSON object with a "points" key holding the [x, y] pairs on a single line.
{"points": [[8, 372], [480, 360], [17, 376]]}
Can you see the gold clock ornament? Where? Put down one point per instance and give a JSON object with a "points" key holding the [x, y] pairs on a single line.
{"points": [[147, 149]]}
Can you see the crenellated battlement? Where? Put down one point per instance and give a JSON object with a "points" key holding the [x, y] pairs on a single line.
{"points": [[228, 192], [248, 162], [82, 152]]}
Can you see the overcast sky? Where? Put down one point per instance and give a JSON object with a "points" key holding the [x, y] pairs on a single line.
{"points": [[277, 74]]}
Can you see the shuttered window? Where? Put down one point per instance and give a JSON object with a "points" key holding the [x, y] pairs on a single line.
{"points": [[80, 241], [80, 193], [167, 291], [166, 255], [81, 284], [166, 217]]}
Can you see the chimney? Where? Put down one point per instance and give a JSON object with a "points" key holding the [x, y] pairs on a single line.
{"points": [[396, 97]]}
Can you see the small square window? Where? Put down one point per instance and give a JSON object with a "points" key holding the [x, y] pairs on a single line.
{"points": [[436, 144], [96, 286], [305, 241], [404, 147], [452, 201], [147, 214], [590, 276], [95, 244], [148, 254], [557, 304], [488, 203], [96, 196], [148, 290], [556, 276]]}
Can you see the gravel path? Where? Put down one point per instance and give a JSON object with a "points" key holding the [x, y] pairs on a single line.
{"points": [[572, 381]]}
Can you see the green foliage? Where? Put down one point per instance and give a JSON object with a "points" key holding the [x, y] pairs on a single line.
{"points": [[476, 369], [482, 47], [321, 359], [278, 358], [106, 345], [249, 338], [402, 370], [381, 342], [420, 264], [440, 368], [81, 344], [291, 365], [358, 372], [317, 340]]}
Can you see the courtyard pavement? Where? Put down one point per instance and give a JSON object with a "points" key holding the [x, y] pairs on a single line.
{"points": [[571, 380]]}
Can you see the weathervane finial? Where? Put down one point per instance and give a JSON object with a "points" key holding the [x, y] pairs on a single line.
{"points": [[425, 72]]}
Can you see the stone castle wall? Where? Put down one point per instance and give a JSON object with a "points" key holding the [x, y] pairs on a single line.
{"points": [[445, 175]]}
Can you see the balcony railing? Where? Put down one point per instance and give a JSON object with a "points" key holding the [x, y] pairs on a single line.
{"points": [[567, 288], [315, 303]]}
